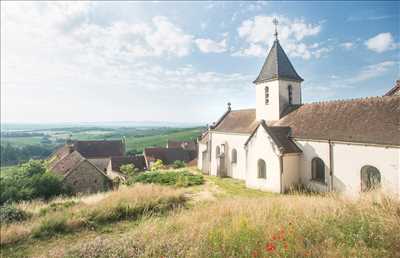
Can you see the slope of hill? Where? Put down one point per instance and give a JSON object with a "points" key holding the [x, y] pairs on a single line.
{"points": [[220, 219]]}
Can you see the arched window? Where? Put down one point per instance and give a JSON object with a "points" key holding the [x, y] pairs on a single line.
{"points": [[234, 156], [370, 178], [217, 152], [262, 169], [290, 94], [318, 170], [266, 95]]}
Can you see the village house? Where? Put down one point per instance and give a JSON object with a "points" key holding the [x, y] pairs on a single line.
{"points": [[347, 146], [185, 151], [90, 166]]}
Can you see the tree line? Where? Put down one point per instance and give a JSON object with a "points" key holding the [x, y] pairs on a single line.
{"points": [[11, 155]]}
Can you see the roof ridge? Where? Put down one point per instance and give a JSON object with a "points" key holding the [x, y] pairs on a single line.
{"points": [[346, 100], [243, 109]]}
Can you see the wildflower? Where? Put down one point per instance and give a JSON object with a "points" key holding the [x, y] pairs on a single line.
{"points": [[254, 254], [270, 247], [285, 246], [273, 238], [307, 253]]}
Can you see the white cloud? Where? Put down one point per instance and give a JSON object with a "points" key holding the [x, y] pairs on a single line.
{"points": [[372, 71], [258, 33], [211, 46], [381, 42], [71, 57], [347, 45], [252, 50]]}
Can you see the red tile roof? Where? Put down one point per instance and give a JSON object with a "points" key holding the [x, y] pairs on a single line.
{"points": [[238, 121], [68, 163], [370, 120], [395, 90], [99, 149], [187, 145], [169, 155]]}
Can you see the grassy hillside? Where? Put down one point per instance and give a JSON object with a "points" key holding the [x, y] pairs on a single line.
{"points": [[218, 219], [139, 143]]}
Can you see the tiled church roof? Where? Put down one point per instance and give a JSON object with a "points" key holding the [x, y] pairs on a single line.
{"points": [[277, 66], [373, 120], [395, 90], [369, 120], [280, 136], [238, 121]]}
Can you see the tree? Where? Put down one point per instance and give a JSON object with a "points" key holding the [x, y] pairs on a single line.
{"points": [[29, 181], [128, 169], [178, 164]]}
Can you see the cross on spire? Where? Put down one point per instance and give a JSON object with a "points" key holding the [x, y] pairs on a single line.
{"points": [[275, 22]]}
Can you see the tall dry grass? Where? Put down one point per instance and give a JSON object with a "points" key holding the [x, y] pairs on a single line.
{"points": [[285, 226], [71, 215]]}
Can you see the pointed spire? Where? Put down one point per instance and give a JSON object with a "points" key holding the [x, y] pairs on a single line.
{"points": [[277, 66]]}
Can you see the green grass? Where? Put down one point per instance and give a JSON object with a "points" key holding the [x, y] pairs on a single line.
{"points": [[181, 178], [236, 188], [21, 141]]}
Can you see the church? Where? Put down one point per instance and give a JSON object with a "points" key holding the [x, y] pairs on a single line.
{"points": [[348, 146]]}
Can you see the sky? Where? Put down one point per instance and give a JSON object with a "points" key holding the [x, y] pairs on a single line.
{"points": [[183, 61]]}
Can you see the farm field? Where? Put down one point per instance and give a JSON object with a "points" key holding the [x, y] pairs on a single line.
{"points": [[20, 146], [220, 218]]}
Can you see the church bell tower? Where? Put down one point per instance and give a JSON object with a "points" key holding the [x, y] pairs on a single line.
{"points": [[278, 86]]}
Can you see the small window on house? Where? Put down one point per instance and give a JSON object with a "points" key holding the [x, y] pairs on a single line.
{"points": [[217, 152], [370, 178], [318, 170], [262, 170], [234, 156], [266, 95], [290, 94]]}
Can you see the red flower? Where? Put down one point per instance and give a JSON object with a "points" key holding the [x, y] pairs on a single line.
{"points": [[273, 238], [254, 254], [270, 247], [308, 253], [285, 245]]}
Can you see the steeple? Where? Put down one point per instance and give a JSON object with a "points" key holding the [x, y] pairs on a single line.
{"points": [[278, 86], [277, 66]]}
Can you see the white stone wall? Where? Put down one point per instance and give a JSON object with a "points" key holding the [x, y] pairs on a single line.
{"points": [[284, 94], [202, 150], [312, 149], [278, 98], [348, 159], [270, 111], [261, 146], [291, 171], [231, 141]]}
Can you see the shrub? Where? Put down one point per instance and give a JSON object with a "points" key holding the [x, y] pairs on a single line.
{"points": [[173, 178], [10, 213], [157, 165], [29, 181], [50, 226], [178, 164]]}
